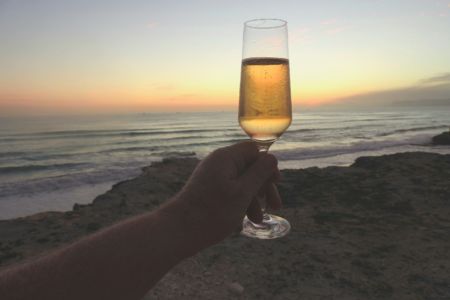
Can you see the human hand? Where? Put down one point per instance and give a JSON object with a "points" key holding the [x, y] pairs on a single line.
{"points": [[223, 187]]}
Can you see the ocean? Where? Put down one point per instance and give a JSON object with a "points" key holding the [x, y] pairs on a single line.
{"points": [[51, 163]]}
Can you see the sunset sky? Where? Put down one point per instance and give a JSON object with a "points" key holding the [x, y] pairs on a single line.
{"points": [[61, 56]]}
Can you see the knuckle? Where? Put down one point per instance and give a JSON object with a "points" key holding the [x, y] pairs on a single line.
{"points": [[271, 160], [249, 146], [219, 153]]}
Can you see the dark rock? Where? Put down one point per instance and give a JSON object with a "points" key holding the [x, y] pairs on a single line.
{"points": [[375, 230], [236, 288], [42, 240], [442, 139], [93, 226]]}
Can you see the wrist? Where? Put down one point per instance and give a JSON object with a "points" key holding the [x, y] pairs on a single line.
{"points": [[183, 224]]}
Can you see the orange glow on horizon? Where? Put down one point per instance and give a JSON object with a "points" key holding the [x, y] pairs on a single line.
{"points": [[144, 57], [139, 95], [116, 101]]}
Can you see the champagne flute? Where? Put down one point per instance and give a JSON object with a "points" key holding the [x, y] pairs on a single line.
{"points": [[265, 102]]}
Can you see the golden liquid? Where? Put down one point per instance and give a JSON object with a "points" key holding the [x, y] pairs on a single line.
{"points": [[265, 98]]}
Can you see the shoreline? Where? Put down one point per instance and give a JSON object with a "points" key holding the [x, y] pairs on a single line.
{"points": [[62, 200], [377, 228]]}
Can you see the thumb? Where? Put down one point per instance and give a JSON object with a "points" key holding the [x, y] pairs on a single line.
{"points": [[258, 174]]}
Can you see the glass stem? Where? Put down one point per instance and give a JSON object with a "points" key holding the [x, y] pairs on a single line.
{"points": [[264, 147]]}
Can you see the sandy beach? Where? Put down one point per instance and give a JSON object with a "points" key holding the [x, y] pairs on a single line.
{"points": [[375, 230]]}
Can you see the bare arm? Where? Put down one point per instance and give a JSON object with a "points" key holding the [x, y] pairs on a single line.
{"points": [[125, 260], [121, 262]]}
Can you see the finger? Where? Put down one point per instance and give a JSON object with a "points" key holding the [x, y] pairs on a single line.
{"points": [[258, 174], [243, 154], [262, 192], [254, 212], [273, 198], [276, 176]]}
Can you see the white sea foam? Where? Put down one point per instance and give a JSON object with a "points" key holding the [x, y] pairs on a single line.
{"points": [[53, 163]]}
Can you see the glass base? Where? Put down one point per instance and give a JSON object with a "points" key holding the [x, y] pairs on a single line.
{"points": [[271, 227]]}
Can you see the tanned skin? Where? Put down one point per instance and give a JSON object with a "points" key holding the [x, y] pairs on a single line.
{"points": [[125, 261]]}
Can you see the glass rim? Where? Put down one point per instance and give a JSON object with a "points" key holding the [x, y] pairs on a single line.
{"points": [[280, 22]]}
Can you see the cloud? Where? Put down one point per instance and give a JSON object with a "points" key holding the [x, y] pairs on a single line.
{"points": [[439, 79], [301, 35], [335, 30], [328, 22], [431, 91]]}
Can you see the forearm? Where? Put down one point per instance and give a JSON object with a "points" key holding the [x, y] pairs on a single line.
{"points": [[121, 262], [126, 260]]}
